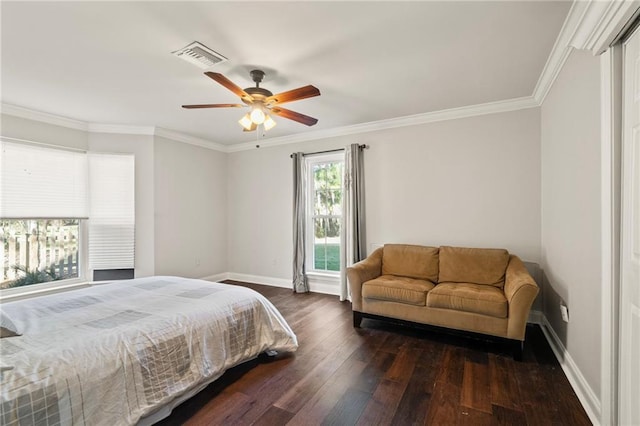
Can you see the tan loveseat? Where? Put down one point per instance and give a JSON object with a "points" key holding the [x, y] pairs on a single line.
{"points": [[484, 291]]}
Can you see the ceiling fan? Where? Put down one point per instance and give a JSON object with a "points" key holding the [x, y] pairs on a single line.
{"points": [[262, 102]]}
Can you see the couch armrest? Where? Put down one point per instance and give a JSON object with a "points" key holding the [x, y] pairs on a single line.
{"points": [[520, 290], [363, 271]]}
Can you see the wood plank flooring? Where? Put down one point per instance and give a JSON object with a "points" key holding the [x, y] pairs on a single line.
{"points": [[383, 374]]}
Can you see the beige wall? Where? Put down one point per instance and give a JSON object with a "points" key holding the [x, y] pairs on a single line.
{"points": [[190, 198], [35, 131], [471, 182], [571, 244]]}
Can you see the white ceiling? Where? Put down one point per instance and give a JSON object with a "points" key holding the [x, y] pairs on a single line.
{"points": [[111, 62]]}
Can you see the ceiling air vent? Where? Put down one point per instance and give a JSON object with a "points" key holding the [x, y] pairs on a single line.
{"points": [[200, 55]]}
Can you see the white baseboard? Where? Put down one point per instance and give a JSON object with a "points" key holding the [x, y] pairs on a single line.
{"points": [[217, 277], [259, 279], [536, 317], [316, 286], [324, 288], [586, 395]]}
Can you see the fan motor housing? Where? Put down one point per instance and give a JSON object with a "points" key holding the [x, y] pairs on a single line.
{"points": [[258, 93]]}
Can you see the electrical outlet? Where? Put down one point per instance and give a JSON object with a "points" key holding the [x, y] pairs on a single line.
{"points": [[197, 261], [565, 313]]}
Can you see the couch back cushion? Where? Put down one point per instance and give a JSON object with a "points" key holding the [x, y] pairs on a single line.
{"points": [[473, 265], [411, 261]]}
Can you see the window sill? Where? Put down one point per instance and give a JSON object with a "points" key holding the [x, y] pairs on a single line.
{"points": [[13, 294], [324, 277]]}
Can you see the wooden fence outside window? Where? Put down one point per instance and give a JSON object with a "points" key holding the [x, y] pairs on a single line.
{"points": [[39, 245]]}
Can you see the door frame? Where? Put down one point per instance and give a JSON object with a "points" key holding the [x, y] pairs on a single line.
{"points": [[611, 144], [612, 111], [633, 32]]}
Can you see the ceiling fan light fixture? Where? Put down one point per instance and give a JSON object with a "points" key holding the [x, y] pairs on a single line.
{"points": [[261, 102], [257, 115], [246, 122], [269, 123]]}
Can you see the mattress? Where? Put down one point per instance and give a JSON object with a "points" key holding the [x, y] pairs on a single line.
{"points": [[115, 353]]}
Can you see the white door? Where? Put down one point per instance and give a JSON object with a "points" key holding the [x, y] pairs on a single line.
{"points": [[629, 395]]}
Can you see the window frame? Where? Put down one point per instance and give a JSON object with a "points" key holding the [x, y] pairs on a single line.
{"points": [[310, 161]]}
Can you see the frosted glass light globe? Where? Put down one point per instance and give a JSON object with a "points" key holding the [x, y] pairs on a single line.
{"points": [[257, 116]]}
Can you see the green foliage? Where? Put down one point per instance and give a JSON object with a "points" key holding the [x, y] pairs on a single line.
{"points": [[327, 257], [36, 242], [34, 276], [327, 198]]}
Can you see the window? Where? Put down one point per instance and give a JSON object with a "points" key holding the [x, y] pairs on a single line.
{"points": [[324, 212], [60, 208]]}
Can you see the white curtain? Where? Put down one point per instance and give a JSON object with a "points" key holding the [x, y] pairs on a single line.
{"points": [[353, 233], [300, 283]]}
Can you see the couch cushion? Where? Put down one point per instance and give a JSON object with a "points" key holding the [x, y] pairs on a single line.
{"points": [[473, 265], [410, 261], [468, 297], [397, 289]]}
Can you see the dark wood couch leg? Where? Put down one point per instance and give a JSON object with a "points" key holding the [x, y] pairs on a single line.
{"points": [[357, 319], [518, 347]]}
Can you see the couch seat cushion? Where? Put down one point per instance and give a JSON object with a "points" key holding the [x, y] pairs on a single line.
{"points": [[468, 297], [410, 261], [397, 289], [473, 265]]}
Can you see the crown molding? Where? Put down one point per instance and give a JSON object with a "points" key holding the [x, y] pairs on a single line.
{"points": [[57, 120], [121, 129], [43, 117], [590, 25], [560, 51], [601, 24], [188, 139], [410, 120]]}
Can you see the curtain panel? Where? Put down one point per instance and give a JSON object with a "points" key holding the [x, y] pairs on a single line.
{"points": [[353, 232], [300, 282]]}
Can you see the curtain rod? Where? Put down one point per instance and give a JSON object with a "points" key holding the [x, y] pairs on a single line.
{"points": [[329, 150]]}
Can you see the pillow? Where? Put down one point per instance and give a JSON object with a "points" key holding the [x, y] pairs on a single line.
{"points": [[7, 327], [405, 260], [473, 265]]}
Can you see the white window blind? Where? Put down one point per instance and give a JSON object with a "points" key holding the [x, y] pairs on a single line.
{"points": [[111, 211], [41, 182]]}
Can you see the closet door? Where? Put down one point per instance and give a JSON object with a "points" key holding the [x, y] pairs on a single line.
{"points": [[629, 395]]}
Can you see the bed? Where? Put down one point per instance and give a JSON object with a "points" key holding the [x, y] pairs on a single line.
{"points": [[127, 352]]}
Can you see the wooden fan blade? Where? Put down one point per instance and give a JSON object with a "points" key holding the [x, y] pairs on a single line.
{"points": [[228, 84], [295, 116], [213, 106], [293, 95]]}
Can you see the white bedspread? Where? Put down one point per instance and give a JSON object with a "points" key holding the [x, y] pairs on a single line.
{"points": [[113, 353]]}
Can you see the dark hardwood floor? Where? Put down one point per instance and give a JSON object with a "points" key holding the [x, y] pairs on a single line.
{"points": [[384, 374]]}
